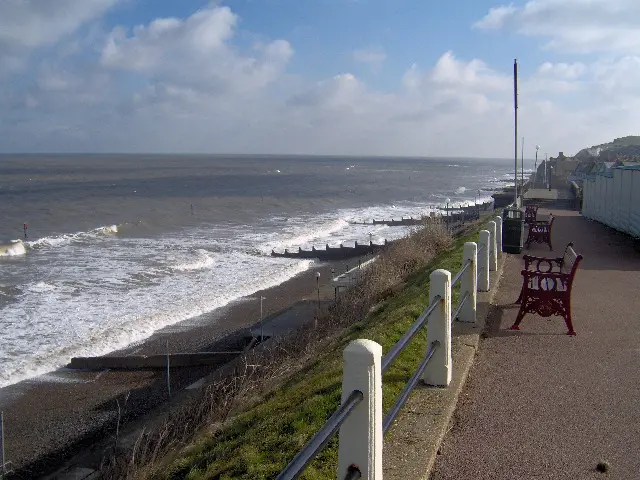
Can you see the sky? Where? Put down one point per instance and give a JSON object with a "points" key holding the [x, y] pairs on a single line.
{"points": [[329, 77]]}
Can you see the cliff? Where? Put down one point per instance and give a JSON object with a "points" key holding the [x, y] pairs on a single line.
{"points": [[623, 148]]}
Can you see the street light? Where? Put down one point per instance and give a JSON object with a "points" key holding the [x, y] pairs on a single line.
{"points": [[318, 306], [546, 168], [535, 167], [261, 330]]}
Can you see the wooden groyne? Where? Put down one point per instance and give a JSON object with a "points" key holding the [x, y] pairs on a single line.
{"points": [[333, 253], [135, 362], [453, 214]]}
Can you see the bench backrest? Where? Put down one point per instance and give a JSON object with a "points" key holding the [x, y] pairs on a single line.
{"points": [[570, 262], [531, 208]]}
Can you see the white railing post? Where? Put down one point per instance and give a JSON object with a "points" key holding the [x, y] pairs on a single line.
{"points": [[493, 249], [483, 261], [498, 220], [468, 283], [438, 370], [361, 433]]}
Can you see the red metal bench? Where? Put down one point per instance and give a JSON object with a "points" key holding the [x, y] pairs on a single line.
{"points": [[546, 287], [540, 232]]}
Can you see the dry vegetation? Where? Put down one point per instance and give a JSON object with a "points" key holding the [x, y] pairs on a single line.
{"points": [[255, 375]]}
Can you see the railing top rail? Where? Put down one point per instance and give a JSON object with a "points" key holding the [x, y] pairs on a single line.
{"points": [[393, 353], [320, 439], [408, 388], [458, 276]]}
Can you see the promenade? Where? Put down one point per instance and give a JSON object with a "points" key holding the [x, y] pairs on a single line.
{"points": [[544, 405]]}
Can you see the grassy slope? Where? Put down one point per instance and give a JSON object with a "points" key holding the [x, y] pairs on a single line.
{"points": [[259, 443]]}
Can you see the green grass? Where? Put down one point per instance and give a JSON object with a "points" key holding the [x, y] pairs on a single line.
{"points": [[259, 443]]}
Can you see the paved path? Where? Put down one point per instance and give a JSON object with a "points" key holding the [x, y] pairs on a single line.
{"points": [[544, 194], [544, 405]]}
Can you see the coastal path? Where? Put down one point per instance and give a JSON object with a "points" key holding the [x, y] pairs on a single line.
{"points": [[541, 404]]}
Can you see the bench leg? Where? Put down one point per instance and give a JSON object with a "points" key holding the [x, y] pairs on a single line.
{"points": [[549, 242], [521, 313], [519, 299], [567, 318]]}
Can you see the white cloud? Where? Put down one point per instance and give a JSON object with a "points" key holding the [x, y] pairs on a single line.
{"points": [[185, 85], [374, 57], [28, 24], [497, 17], [195, 51], [474, 75], [562, 70], [581, 26]]}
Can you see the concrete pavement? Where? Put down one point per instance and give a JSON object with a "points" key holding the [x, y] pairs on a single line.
{"points": [[544, 405]]}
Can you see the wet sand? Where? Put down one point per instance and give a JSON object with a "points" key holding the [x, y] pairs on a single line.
{"points": [[51, 418]]}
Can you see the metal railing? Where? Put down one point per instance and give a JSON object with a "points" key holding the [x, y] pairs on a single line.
{"points": [[406, 391], [359, 418], [396, 350], [320, 439]]}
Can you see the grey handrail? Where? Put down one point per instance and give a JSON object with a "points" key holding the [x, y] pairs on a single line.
{"points": [[393, 353], [408, 388], [320, 439], [458, 276], [464, 298]]}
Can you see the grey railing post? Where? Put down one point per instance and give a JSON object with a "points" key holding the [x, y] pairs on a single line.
{"points": [[360, 441], [468, 282], [438, 370], [483, 261], [498, 220], [493, 250]]}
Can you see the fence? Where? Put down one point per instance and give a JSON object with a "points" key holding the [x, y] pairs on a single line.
{"points": [[359, 417], [614, 199]]}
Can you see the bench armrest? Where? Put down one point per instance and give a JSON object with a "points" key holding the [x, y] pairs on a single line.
{"points": [[529, 274], [530, 259]]}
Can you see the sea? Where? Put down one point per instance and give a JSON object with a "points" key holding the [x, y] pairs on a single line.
{"points": [[99, 251]]}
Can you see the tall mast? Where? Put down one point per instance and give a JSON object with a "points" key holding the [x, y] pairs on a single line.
{"points": [[515, 116]]}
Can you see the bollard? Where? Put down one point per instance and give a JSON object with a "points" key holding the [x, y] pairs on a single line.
{"points": [[438, 370], [360, 440], [498, 220], [483, 261], [468, 283], [493, 251]]}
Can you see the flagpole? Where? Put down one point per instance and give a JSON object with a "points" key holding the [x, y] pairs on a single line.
{"points": [[515, 116]]}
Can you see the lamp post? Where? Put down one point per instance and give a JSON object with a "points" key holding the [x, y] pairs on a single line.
{"points": [[535, 168], [318, 305], [546, 170], [261, 330], [522, 167]]}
